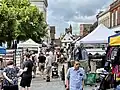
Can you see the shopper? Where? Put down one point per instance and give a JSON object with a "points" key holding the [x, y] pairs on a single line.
{"points": [[10, 73], [26, 77], [75, 77], [34, 60], [48, 65], [41, 63]]}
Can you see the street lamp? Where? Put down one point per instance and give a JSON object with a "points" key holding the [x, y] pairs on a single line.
{"points": [[15, 47]]}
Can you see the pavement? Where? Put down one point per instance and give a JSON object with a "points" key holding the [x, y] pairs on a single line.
{"points": [[56, 84]]}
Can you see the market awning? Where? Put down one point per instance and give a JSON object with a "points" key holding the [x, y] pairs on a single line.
{"points": [[99, 35], [2, 50], [114, 40], [28, 44]]}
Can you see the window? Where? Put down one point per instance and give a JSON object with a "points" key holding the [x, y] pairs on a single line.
{"points": [[112, 20], [116, 17]]}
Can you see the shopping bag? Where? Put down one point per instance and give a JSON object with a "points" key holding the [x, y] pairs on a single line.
{"points": [[90, 79]]}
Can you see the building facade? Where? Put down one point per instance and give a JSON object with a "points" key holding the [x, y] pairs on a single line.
{"points": [[111, 17], [42, 5], [66, 39], [84, 29], [52, 32], [50, 38], [104, 18], [58, 42], [115, 14]]}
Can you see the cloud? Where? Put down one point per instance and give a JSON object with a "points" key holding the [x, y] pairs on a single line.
{"points": [[61, 12]]}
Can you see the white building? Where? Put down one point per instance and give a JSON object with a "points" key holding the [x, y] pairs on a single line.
{"points": [[67, 39], [42, 5], [47, 38]]}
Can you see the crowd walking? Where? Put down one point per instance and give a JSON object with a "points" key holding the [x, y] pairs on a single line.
{"points": [[31, 64], [45, 65]]}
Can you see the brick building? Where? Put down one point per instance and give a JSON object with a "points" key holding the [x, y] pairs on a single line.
{"points": [[111, 17], [84, 29], [115, 13]]}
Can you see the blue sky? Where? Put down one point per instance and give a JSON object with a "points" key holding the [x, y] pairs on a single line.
{"points": [[61, 13]]}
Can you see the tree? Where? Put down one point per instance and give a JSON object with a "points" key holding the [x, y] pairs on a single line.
{"points": [[21, 20]]}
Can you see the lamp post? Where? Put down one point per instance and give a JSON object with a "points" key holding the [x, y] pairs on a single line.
{"points": [[15, 47]]}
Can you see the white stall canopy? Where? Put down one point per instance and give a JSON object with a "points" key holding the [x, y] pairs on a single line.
{"points": [[99, 35], [28, 44]]}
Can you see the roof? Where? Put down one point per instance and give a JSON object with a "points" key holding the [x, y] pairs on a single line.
{"points": [[116, 28], [67, 37], [29, 43], [46, 1], [99, 35]]}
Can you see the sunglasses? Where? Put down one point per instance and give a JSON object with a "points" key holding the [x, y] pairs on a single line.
{"points": [[77, 64]]}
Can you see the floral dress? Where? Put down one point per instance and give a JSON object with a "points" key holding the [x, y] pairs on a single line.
{"points": [[12, 74]]}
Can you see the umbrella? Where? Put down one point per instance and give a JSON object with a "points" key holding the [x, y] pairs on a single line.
{"points": [[2, 50]]}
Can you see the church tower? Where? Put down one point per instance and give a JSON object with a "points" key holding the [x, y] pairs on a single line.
{"points": [[70, 28]]}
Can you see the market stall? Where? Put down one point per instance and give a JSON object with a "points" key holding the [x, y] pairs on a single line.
{"points": [[2, 62], [2, 50], [113, 55], [29, 44], [99, 35], [114, 40], [2, 54], [112, 64]]}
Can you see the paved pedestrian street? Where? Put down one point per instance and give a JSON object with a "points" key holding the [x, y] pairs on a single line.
{"points": [[55, 84]]}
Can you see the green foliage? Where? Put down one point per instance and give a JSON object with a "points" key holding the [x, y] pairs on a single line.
{"points": [[21, 20]]}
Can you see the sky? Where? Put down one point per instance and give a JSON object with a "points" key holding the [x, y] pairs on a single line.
{"points": [[62, 13]]}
